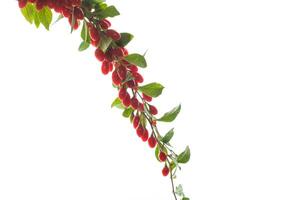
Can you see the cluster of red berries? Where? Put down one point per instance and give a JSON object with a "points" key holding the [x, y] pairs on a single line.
{"points": [[125, 76], [68, 8]]}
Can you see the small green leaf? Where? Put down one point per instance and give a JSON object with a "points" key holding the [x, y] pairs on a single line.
{"points": [[127, 112], [152, 89], [85, 33], [83, 46], [110, 11], [136, 59], [168, 136], [36, 20], [171, 115], [45, 17], [157, 152], [99, 6], [117, 103], [185, 198], [184, 157], [143, 120], [28, 12], [131, 117], [125, 39], [179, 190], [172, 165], [105, 42]]}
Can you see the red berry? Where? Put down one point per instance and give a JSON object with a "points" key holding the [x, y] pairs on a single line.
{"points": [[145, 135], [134, 103], [153, 110], [125, 51], [141, 107], [152, 141], [110, 66], [122, 93], [118, 52], [105, 24], [138, 77], [105, 67], [76, 3], [39, 5], [113, 34], [94, 43], [115, 78], [165, 171], [126, 101], [125, 62], [140, 131], [94, 34], [99, 54], [109, 54], [78, 13], [66, 12], [22, 3], [132, 68], [162, 156], [147, 98], [131, 84], [122, 72], [136, 121]]}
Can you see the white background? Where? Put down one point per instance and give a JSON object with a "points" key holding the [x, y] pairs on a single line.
{"points": [[234, 66]]}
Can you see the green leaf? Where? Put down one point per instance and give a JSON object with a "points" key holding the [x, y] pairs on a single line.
{"points": [[143, 120], [136, 59], [184, 157], [83, 46], [105, 42], [37, 17], [185, 198], [117, 103], [171, 115], [110, 11], [85, 33], [168, 136], [152, 89], [172, 165], [99, 6], [125, 39], [28, 12], [45, 17], [157, 152], [179, 190], [131, 117], [36, 20], [127, 112]]}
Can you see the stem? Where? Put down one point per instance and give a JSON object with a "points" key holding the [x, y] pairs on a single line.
{"points": [[155, 130], [172, 182]]}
